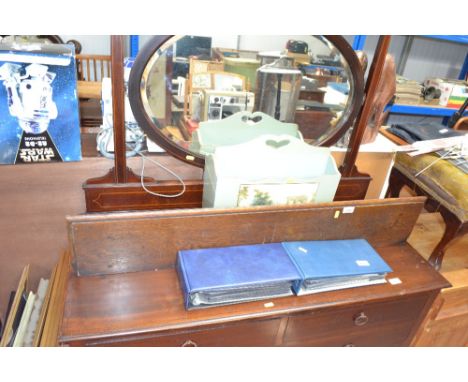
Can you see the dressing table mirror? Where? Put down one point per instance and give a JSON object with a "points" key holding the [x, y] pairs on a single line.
{"points": [[179, 83]]}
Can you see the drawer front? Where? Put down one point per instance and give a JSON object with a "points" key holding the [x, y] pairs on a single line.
{"points": [[374, 324], [248, 333]]}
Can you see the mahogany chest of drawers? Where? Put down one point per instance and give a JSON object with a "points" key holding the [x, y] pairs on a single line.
{"points": [[124, 291]]}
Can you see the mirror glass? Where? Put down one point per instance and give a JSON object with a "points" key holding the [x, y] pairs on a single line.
{"points": [[195, 79]]}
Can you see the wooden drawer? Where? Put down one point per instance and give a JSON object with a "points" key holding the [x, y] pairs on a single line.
{"points": [[375, 324], [247, 333]]}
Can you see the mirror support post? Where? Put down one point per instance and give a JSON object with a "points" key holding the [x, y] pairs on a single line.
{"points": [[120, 173], [360, 126], [118, 109], [353, 184], [121, 189]]}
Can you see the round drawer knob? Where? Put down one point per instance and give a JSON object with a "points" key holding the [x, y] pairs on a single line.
{"points": [[189, 343], [361, 319]]}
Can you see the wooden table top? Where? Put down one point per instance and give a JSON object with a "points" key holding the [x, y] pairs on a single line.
{"points": [[89, 89], [138, 302]]}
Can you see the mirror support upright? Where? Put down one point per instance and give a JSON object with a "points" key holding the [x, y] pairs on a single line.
{"points": [[362, 119], [120, 173], [353, 184], [118, 107], [120, 188]]}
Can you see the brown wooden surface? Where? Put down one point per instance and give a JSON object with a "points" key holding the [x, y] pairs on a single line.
{"points": [[108, 197], [447, 324], [139, 303], [118, 107], [430, 316], [50, 333], [353, 187], [389, 322], [128, 242], [461, 124], [313, 123], [455, 298], [36, 199], [89, 89], [385, 92], [313, 95], [146, 308], [263, 332], [384, 131], [131, 196]]}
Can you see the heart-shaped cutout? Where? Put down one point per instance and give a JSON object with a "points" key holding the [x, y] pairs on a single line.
{"points": [[251, 120], [277, 144]]}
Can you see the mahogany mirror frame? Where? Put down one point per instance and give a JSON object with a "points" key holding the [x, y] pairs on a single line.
{"points": [[156, 135]]}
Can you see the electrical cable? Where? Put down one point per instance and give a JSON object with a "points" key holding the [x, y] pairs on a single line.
{"points": [[142, 177]]}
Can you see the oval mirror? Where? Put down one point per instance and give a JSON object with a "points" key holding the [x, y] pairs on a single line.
{"points": [[180, 82]]}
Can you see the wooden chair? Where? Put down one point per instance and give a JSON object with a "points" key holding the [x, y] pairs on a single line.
{"points": [[92, 67]]}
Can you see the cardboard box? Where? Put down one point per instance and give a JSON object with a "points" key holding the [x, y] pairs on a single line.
{"points": [[375, 159]]}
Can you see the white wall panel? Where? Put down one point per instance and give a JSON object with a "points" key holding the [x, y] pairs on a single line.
{"points": [[91, 44]]}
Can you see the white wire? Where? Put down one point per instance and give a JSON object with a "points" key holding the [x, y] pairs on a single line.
{"points": [[143, 157], [435, 161]]}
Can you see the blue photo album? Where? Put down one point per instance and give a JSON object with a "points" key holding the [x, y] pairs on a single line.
{"points": [[335, 264], [228, 275]]}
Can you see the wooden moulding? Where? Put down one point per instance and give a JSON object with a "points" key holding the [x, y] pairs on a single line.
{"points": [[109, 197], [140, 241], [353, 187], [20, 290], [56, 300]]}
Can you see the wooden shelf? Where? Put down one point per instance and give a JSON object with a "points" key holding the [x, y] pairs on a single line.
{"points": [[152, 302]]}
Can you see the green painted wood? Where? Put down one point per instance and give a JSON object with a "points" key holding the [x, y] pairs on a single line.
{"points": [[238, 128]]}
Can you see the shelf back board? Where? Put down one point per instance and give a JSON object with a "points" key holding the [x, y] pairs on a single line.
{"points": [[140, 241]]}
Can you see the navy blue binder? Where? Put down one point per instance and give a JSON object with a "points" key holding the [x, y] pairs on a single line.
{"points": [[335, 264], [228, 275]]}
